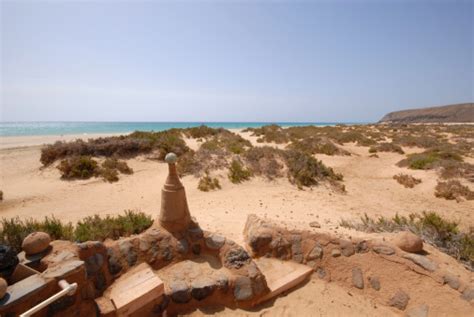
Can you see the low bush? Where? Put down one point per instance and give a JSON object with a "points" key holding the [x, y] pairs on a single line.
{"points": [[238, 173], [305, 170], [265, 161], [14, 230], [78, 167], [453, 189], [109, 175], [1, 195], [317, 145], [270, 133], [112, 227], [422, 141], [407, 180], [114, 164], [201, 132], [386, 147], [118, 146], [430, 159], [456, 169], [434, 229], [206, 183], [85, 167]]}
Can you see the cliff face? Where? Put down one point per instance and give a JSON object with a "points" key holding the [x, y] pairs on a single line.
{"points": [[452, 113]]}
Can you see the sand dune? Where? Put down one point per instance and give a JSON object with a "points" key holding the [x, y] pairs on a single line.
{"points": [[32, 191]]}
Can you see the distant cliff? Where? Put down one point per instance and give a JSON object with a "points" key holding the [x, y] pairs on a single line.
{"points": [[451, 113]]}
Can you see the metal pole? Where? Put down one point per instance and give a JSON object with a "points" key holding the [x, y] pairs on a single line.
{"points": [[67, 289]]}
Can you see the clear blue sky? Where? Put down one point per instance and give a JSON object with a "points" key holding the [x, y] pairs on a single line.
{"points": [[232, 61]]}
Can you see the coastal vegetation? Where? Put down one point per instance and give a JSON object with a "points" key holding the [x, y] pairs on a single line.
{"points": [[238, 173], [85, 167], [208, 183], [433, 228], [445, 148], [407, 180], [92, 228], [453, 189]]}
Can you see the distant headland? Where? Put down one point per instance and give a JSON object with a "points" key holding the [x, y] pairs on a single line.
{"points": [[458, 113]]}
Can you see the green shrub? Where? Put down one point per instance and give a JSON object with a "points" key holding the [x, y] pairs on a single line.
{"points": [[270, 133], [434, 229], [114, 164], [201, 132], [118, 146], [407, 180], [265, 161], [386, 147], [317, 145], [14, 230], [206, 183], [78, 167], [430, 159], [112, 227], [109, 175], [305, 170], [238, 173], [453, 189]]}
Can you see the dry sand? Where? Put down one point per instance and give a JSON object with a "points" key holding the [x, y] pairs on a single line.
{"points": [[30, 191]]}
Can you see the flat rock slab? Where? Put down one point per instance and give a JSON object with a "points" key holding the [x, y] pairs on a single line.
{"points": [[135, 289], [422, 261], [281, 275], [61, 270], [23, 288]]}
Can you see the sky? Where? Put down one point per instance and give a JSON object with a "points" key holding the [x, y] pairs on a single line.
{"points": [[272, 61]]}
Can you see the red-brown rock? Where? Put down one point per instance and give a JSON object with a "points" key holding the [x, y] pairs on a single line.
{"points": [[408, 242], [36, 242]]}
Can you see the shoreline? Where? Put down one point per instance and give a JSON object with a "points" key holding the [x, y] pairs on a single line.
{"points": [[18, 142], [23, 142]]}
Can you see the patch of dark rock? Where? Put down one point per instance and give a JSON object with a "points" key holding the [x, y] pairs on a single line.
{"points": [[236, 258], [399, 300], [374, 282], [179, 292], [202, 288]]}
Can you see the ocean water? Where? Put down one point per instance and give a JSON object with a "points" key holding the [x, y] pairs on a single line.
{"points": [[62, 128]]}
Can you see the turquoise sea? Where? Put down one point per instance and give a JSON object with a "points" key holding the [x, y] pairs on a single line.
{"points": [[61, 128]]}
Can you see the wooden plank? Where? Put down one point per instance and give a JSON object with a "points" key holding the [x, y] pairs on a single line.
{"points": [[281, 275], [135, 289]]}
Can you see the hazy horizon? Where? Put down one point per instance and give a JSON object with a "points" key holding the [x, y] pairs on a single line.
{"points": [[220, 61]]}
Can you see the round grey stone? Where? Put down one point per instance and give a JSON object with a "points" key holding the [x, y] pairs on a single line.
{"points": [[243, 288], [215, 242], [171, 158]]}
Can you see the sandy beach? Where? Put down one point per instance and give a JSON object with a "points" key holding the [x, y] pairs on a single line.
{"points": [[33, 191]]}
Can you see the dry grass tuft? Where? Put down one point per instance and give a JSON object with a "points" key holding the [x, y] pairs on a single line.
{"points": [[407, 180], [453, 189]]}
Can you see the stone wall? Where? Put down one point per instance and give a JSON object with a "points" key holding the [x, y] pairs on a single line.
{"points": [[95, 265], [379, 269]]}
